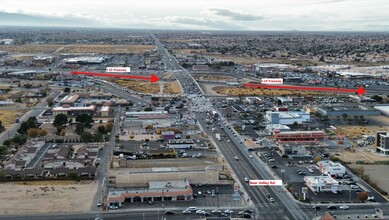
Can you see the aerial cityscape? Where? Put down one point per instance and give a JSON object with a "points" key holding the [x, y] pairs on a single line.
{"points": [[217, 117]]}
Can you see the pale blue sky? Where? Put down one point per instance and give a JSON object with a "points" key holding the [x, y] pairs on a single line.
{"points": [[320, 15]]}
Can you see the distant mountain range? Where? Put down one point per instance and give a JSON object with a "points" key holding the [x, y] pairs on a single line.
{"points": [[17, 19]]}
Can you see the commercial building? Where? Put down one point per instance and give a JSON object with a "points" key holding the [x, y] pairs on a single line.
{"points": [[287, 118], [181, 144], [383, 143], [298, 136], [321, 183], [173, 190], [69, 99], [330, 168], [353, 110], [148, 115], [84, 60], [105, 111], [167, 135], [74, 110]]}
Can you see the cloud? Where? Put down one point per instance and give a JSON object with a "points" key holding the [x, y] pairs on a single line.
{"points": [[234, 15]]}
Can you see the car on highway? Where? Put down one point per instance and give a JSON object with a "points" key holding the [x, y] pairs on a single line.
{"points": [[169, 212], [216, 211], [246, 179], [228, 211], [331, 207], [186, 211], [236, 158], [251, 156], [317, 208], [271, 200], [228, 141], [344, 207]]}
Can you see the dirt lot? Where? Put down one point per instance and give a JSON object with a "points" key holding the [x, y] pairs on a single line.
{"points": [[213, 78], [107, 49], [172, 88], [236, 91], [30, 48], [139, 86], [8, 116], [46, 197], [358, 131]]}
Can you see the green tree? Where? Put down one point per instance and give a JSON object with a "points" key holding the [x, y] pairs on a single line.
{"points": [[148, 109], [3, 150], [7, 142], [79, 129], [32, 122], [66, 90], [85, 119], [60, 120], [19, 139], [86, 137], [345, 116], [101, 129], [98, 137]]}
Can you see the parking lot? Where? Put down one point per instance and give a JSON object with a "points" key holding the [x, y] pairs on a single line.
{"points": [[287, 170]]}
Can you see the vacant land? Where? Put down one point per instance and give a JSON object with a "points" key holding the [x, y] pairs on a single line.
{"points": [[213, 77], [107, 49], [172, 88], [46, 197], [139, 86], [8, 116], [236, 91], [358, 131], [31, 48]]}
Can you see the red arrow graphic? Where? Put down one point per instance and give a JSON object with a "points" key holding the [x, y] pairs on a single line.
{"points": [[153, 78], [359, 91]]}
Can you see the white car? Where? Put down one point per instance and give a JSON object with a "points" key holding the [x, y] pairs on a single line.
{"points": [[354, 187], [246, 179], [236, 158], [344, 207], [228, 211], [271, 199], [251, 156], [199, 211], [215, 211], [228, 141], [186, 211]]}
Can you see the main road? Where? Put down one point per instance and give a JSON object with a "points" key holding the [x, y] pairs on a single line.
{"points": [[285, 206]]}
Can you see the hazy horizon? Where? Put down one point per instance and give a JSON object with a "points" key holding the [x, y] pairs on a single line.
{"points": [[227, 15]]}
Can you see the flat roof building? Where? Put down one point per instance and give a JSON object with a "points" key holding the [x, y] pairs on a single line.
{"points": [[74, 110], [351, 110], [298, 136], [330, 168], [287, 118], [173, 190], [321, 183], [69, 99]]}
